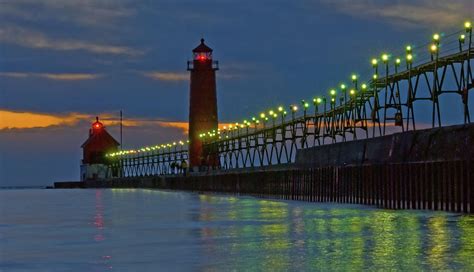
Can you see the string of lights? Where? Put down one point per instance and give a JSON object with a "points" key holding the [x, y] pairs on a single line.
{"points": [[157, 149], [412, 58]]}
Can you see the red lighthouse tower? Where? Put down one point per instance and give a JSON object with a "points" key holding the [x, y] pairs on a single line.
{"points": [[203, 102]]}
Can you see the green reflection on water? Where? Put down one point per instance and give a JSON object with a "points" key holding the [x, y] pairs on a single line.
{"points": [[465, 255], [277, 236], [382, 254], [274, 232], [439, 242]]}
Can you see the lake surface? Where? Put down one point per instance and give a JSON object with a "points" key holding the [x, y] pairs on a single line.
{"points": [[151, 230]]}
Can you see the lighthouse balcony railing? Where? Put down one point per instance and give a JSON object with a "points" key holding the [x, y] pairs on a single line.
{"points": [[214, 63]]}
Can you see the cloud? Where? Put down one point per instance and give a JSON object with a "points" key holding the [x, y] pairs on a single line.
{"points": [[93, 13], [167, 76], [34, 39], [66, 76], [15, 120], [53, 76], [25, 120], [416, 13], [173, 76], [229, 76], [14, 74]]}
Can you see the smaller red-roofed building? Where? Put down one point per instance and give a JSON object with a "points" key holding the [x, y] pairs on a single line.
{"points": [[99, 143]]}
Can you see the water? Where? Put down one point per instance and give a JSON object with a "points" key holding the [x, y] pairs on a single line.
{"points": [[149, 230]]}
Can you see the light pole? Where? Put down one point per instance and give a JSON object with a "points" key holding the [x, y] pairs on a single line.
{"points": [[263, 117], [467, 117], [305, 106], [294, 109], [434, 50], [282, 112]]}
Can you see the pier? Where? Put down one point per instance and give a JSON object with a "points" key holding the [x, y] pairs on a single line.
{"points": [[411, 170]]}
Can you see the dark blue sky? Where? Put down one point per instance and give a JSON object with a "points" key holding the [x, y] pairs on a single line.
{"points": [[83, 58]]}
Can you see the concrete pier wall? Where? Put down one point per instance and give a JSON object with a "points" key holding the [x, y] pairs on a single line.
{"points": [[439, 144]]}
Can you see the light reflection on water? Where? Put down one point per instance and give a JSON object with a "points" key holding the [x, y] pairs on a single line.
{"points": [[292, 235], [149, 230]]}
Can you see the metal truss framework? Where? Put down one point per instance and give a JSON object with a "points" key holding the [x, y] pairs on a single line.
{"points": [[164, 161], [383, 106]]}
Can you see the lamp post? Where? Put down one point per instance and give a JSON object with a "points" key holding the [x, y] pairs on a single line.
{"points": [[271, 113], [374, 114], [409, 63], [434, 47], [263, 116], [354, 80], [397, 63], [305, 106], [333, 94], [316, 102], [344, 93], [294, 109], [385, 60], [468, 28], [375, 66], [282, 112]]}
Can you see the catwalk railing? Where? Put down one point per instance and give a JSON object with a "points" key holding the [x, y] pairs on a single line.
{"points": [[362, 116], [392, 101], [150, 161]]}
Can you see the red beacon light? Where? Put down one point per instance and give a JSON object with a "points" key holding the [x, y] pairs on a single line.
{"points": [[202, 52], [97, 125], [202, 57]]}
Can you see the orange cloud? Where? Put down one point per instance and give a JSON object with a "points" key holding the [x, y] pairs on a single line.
{"points": [[29, 120], [181, 125], [113, 121], [24, 120], [68, 76]]}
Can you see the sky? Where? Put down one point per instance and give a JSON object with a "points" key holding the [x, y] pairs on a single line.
{"points": [[64, 62]]}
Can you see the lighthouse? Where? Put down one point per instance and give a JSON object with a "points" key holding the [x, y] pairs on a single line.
{"points": [[203, 103], [99, 143]]}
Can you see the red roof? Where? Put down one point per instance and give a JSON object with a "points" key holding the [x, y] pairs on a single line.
{"points": [[101, 138], [202, 48]]}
